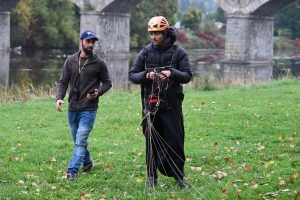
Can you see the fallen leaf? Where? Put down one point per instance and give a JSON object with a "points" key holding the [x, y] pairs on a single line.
{"points": [[229, 160], [239, 194], [210, 164], [139, 180], [281, 138], [225, 191]]}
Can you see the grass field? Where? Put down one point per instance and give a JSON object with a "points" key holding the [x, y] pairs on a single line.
{"points": [[241, 143]]}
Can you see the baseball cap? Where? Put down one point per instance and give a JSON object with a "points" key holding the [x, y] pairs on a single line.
{"points": [[88, 35]]}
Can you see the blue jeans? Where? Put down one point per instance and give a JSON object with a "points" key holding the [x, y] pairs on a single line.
{"points": [[81, 124]]}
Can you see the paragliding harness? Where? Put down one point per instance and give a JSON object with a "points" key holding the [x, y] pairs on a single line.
{"points": [[158, 99]]}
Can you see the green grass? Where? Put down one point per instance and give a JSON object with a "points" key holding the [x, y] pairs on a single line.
{"points": [[241, 143]]}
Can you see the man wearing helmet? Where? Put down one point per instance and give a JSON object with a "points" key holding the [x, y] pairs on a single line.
{"points": [[161, 68]]}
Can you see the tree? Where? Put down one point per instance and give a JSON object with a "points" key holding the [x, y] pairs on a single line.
{"points": [[288, 19], [220, 15], [191, 18], [141, 15], [45, 24]]}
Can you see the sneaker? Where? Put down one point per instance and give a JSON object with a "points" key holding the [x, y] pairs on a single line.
{"points": [[181, 184], [152, 182], [87, 167], [71, 176]]}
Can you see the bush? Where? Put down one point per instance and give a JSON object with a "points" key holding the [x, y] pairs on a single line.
{"points": [[194, 43], [216, 41], [296, 42], [181, 36], [283, 44]]}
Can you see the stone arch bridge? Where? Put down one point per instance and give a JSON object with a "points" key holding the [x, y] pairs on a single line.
{"points": [[249, 30], [249, 34]]}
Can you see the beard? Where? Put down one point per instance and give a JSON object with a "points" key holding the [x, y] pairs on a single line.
{"points": [[86, 51]]}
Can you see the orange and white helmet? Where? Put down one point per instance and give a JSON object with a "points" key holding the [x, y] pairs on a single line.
{"points": [[158, 23]]}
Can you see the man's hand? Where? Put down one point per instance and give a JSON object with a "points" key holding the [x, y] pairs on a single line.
{"points": [[164, 74], [57, 105], [93, 96]]}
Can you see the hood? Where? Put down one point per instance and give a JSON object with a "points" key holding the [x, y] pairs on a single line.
{"points": [[171, 39], [172, 34]]}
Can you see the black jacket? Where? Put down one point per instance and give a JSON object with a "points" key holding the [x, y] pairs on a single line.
{"points": [[159, 58], [93, 74]]}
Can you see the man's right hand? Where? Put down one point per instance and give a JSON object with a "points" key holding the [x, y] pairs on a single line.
{"points": [[57, 105]]}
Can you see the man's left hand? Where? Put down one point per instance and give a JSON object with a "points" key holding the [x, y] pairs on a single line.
{"points": [[164, 74], [93, 96]]}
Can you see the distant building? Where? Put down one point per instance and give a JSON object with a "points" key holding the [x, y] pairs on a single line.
{"points": [[219, 24], [177, 25]]}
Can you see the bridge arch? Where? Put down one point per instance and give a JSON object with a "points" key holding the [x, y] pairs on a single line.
{"points": [[249, 29]]}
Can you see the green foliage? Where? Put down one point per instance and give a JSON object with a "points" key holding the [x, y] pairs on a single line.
{"points": [[285, 32], [288, 18], [220, 15], [211, 30], [282, 44], [47, 24], [191, 18], [141, 15], [23, 15]]}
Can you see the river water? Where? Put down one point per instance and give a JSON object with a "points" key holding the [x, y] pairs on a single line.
{"points": [[43, 68]]}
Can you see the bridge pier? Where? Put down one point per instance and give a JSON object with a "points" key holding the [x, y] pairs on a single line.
{"points": [[242, 73], [5, 31], [249, 39], [4, 68], [112, 29]]}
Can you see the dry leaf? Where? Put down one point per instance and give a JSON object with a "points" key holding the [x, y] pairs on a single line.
{"points": [[139, 180]]}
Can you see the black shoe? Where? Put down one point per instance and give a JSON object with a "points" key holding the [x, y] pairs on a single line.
{"points": [[181, 184], [152, 182], [71, 176], [87, 167]]}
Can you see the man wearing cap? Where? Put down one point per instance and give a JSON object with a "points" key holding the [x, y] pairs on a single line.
{"points": [[88, 77]]}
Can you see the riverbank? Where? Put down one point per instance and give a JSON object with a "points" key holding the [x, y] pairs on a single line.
{"points": [[279, 43], [241, 141]]}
